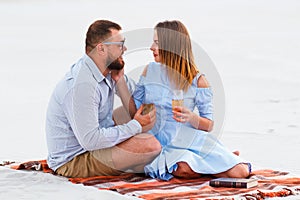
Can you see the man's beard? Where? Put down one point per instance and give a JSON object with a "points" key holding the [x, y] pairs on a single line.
{"points": [[117, 64]]}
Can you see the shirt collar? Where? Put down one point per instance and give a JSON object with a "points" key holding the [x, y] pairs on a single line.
{"points": [[94, 69], [96, 72]]}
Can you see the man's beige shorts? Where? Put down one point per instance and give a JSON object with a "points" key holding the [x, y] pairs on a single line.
{"points": [[91, 163]]}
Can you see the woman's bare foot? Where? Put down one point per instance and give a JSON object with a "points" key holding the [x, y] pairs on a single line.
{"points": [[236, 153]]}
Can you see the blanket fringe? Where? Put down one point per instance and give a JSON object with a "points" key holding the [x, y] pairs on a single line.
{"points": [[7, 163], [263, 195]]}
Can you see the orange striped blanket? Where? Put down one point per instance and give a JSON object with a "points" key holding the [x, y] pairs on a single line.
{"points": [[271, 184]]}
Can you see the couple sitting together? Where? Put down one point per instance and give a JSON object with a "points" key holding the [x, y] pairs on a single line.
{"points": [[84, 139]]}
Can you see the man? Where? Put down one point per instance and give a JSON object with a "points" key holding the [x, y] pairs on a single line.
{"points": [[82, 138]]}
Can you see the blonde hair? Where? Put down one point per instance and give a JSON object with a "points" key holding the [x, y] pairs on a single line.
{"points": [[175, 51]]}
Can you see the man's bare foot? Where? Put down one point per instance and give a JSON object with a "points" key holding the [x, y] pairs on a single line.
{"points": [[236, 153]]}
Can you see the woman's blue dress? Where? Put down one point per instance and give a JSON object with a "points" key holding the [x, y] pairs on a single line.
{"points": [[180, 141]]}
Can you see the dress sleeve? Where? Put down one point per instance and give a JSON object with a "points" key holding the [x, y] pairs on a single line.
{"points": [[204, 102], [139, 93]]}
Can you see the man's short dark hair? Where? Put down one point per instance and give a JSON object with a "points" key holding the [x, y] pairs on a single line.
{"points": [[99, 31]]}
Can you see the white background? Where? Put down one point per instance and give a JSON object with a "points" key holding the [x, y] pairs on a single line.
{"points": [[254, 44]]}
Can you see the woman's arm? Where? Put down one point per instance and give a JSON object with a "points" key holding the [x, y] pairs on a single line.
{"points": [[182, 114], [126, 97], [203, 123]]}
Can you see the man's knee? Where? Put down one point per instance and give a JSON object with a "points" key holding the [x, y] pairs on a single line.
{"points": [[141, 143], [151, 144], [147, 143]]}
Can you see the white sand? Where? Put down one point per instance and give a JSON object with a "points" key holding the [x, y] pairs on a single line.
{"points": [[255, 46]]}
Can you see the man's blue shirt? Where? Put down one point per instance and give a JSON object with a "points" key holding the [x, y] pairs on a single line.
{"points": [[79, 115]]}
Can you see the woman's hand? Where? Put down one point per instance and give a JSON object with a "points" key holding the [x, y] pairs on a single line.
{"points": [[183, 114], [117, 74]]}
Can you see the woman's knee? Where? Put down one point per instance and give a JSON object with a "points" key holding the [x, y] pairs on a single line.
{"points": [[241, 171], [245, 171]]}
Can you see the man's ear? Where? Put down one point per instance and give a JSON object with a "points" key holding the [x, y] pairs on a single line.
{"points": [[100, 48]]}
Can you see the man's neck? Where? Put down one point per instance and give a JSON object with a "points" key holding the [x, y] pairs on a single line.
{"points": [[101, 65]]}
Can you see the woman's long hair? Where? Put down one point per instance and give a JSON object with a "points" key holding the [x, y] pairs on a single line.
{"points": [[175, 51]]}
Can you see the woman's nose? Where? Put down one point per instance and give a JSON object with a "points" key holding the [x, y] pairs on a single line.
{"points": [[152, 48]]}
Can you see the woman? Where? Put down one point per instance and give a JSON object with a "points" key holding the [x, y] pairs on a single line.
{"points": [[188, 150]]}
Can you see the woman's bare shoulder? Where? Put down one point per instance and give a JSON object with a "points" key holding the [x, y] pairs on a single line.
{"points": [[202, 82], [145, 71]]}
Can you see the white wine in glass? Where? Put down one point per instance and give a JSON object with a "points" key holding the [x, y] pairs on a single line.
{"points": [[177, 99]]}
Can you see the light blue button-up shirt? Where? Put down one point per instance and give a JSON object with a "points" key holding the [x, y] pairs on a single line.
{"points": [[79, 115]]}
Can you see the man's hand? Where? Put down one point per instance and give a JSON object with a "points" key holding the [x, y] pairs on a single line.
{"points": [[117, 74], [147, 121]]}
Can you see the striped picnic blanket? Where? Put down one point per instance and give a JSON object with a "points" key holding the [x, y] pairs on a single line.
{"points": [[270, 184]]}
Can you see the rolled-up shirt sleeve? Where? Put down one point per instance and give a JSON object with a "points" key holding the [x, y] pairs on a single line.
{"points": [[81, 106]]}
